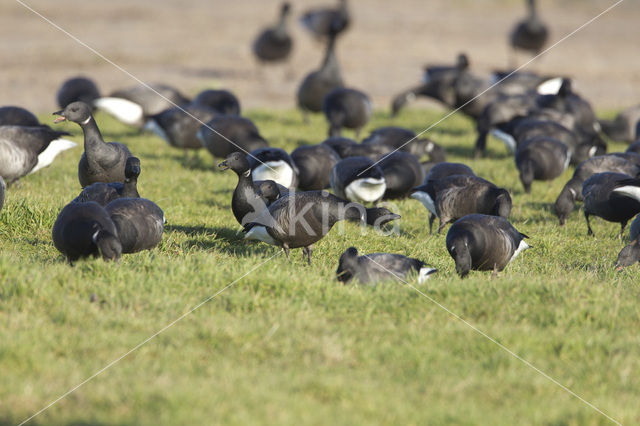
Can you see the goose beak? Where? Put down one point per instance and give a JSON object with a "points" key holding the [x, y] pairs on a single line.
{"points": [[223, 166], [61, 118], [619, 268]]}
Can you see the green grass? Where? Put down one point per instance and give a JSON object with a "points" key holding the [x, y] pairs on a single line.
{"points": [[288, 344]]}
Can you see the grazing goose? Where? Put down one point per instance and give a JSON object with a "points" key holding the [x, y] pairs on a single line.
{"points": [[103, 193], [634, 147], [358, 179], [348, 108], [77, 89], [541, 158], [317, 84], [274, 44], [85, 229], [221, 101], [139, 222], [180, 128], [615, 197], [17, 116], [572, 190], [623, 127], [101, 161], [346, 147], [629, 255], [302, 219], [483, 243], [133, 104], [531, 33], [324, 22], [249, 197], [375, 267], [443, 170], [314, 164], [399, 138], [634, 229], [456, 196], [3, 189], [402, 172], [273, 164], [226, 134], [26, 149], [340, 145]]}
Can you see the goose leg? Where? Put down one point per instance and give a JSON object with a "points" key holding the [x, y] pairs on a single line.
{"points": [[443, 223], [358, 133], [589, 230], [432, 218], [622, 226], [305, 117], [307, 251], [285, 247]]}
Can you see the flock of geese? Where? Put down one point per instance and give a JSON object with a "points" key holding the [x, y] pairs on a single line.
{"points": [[281, 197]]}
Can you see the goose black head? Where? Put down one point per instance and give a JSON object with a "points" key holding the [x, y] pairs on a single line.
{"points": [[78, 112], [237, 162], [108, 245], [459, 251], [378, 216], [564, 204], [132, 168], [347, 265], [503, 204], [629, 255], [269, 190]]}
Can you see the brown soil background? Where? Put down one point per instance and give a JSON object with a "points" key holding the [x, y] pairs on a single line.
{"points": [[198, 44]]}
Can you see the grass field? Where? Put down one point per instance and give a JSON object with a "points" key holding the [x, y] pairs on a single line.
{"points": [[288, 344]]}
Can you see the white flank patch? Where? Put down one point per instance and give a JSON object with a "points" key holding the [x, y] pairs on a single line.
{"points": [[493, 79], [508, 140], [550, 87], [366, 190], [126, 111], [153, 126], [425, 273], [630, 191], [426, 78], [522, 247], [411, 97], [567, 161], [278, 171], [597, 127], [47, 156], [94, 237], [424, 198], [592, 151], [260, 233]]}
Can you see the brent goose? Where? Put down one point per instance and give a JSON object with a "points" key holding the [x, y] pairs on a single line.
{"points": [[541, 158], [623, 127], [85, 229], [77, 89], [444, 169], [226, 134], [634, 147], [399, 138], [482, 242], [455, 196], [374, 267], [615, 197], [340, 145], [322, 22], [221, 101], [101, 161], [273, 164], [180, 128], [531, 33], [629, 255], [301, 219], [139, 222], [103, 193], [358, 179], [314, 164], [402, 172], [274, 44], [348, 108], [17, 116]]}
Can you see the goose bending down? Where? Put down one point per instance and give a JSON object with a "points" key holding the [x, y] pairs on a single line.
{"points": [[273, 164], [132, 105], [541, 158], [615, 197], [249, 198], [139, 222], [375, 267], [17, 116], [274, 44], [531, 33], [572, 190], [103, 193], [221, 101], [314, 164], [322, 22], [226, 134], [402, 172], [445, 169], [358, 179], [348, 108], [623, 127], [483, 243], [629, 255], [77, 89], [101, 161], [302, 219], [456, 196], [85, 229], [179, 126]]}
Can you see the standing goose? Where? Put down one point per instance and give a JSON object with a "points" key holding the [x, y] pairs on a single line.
{"points": [[273, 164], [317, 84], [314, 164], [77, 89], [85, 229], [483, 243], [456, 196], [531, 33], [375, 267], [25, 149], [226, 134], [103, 193], [248, 198], [615, 197], [101, 161], [322, 22], [180, 128], [139, 222], [274, 44], [402, 172], [541, 158], [358, 179], [221, 101], [348, 108], [302, 219]]}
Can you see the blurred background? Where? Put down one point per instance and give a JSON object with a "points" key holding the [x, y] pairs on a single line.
{"points": [[199, 44]]}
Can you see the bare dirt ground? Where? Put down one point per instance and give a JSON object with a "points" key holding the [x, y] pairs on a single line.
{"points": [[198, 44]]}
